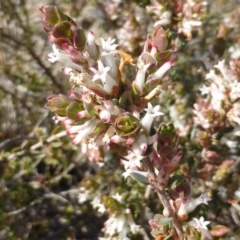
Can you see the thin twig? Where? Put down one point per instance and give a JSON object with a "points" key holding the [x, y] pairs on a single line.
{"points": [[12, 38], [177, 225], [63, 174], [45, 196], [163, 198], [37, 145]]}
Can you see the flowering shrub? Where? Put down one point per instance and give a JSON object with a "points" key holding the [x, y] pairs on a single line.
{"points": [[151, 111], [110, 105]]}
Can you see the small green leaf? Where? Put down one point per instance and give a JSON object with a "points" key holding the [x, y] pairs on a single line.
{"points": [[79, 39], [56, 144], [89, 108], [73, 109], [62, 30], [139, 177], [164, 221], [136, 90]]}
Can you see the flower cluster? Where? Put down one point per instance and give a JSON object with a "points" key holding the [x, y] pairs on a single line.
{"points": [[186, 14], [218, 107], [106, 106]]}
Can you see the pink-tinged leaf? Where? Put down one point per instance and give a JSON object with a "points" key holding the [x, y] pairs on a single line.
{"points": [[62, 30], [219, 230], [79, 39]]}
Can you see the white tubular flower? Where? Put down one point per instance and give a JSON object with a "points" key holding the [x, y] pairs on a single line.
{"points": [[107, 53], [58, 55], [76, 128], [110, 60], [107, 81], [117, 139], [221, 67], [151, 113], [83, 132], [141, 74], [192, 204], [140, 146], [161, 71], [201, 226], [91, 46], [107, 45], [111, 107]]}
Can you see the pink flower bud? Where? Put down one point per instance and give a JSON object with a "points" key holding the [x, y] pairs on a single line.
{"points": [[82, 114], [117, 139], [182, 212], [105, 116]]}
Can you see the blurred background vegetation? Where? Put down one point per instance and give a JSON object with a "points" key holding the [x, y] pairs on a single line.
{"points": [[40, 175]]}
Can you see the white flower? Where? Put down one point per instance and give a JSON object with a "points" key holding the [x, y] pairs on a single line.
{"points": [[221, 67], [161, 71], [97, 204], [58, 55], [108, 135], [101, 74], [192, 204], [117, 197], [121, 225], [140, 145], [204, 90], [201, 226], [230, 143], [129, 172], [107, 45], [141, 74], [165, 19], [82, 198], [217, 96], [217, 80], [109, 60], [235, 51], [235, 90], [134, 160], [111, 107], [116, 225], [151, 113], [200, 223], [82, 131], [76, 128]]}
